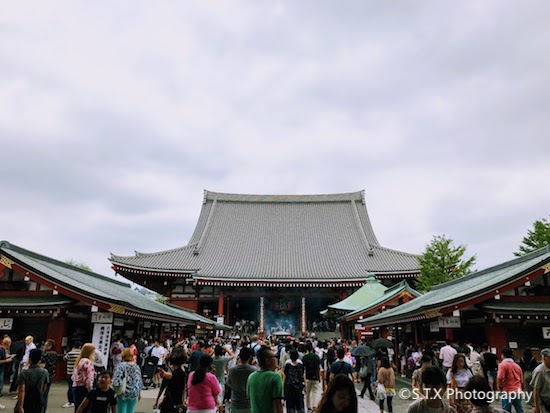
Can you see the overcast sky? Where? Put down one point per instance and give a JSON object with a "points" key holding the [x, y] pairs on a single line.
{"points": [[115, 116]]}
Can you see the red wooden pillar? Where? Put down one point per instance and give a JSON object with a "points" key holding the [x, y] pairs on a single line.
{"points": [[448, 334], [220, 304], [496, 334], [57, 329], [228, 311]]}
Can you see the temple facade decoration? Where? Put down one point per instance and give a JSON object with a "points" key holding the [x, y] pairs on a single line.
{"points": [[270, 262]]}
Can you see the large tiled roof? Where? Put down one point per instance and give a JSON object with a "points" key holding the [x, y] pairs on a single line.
{"points": [[279, 237], [463, 289], [92, 286]]}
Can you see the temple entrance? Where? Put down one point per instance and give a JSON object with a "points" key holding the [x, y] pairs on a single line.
{"points": [[245, 315], [280, 313]]}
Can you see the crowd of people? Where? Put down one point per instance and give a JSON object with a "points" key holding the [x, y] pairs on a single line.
{"points": [[256, 375], [474, 376]]}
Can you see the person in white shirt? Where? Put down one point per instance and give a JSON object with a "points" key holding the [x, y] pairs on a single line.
{"points": [[447, 355], [475, 359], [29, 345], [158, 351]]}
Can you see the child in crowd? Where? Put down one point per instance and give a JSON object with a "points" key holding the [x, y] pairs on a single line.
{"points": [[101, 399]]}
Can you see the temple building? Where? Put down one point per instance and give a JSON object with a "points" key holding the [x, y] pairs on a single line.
{"points": [[504, 305], [47, 298], [372, 298], [272, 260]]}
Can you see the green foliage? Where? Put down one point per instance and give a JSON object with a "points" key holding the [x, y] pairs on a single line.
{"points": [[80, 264], [442, 262], [160, 298], [536, 238]]}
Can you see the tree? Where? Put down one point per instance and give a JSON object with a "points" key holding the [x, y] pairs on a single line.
{"points": [[536, 238], [79, 264], [442, 262]]}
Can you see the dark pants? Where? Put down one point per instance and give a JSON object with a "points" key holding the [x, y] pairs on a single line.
{"points": [[390, 407], [79, 394], [367, 385], [46, 394], [15, 367], [2, 374], [70, 397]]}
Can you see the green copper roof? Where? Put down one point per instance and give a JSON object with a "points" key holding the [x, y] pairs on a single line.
{"points": [[371, 291], [463, 289], [388, 295], [519, 308], [35, 302]]}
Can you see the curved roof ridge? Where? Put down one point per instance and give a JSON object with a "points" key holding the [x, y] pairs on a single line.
{"points": [[206, 225], [151, 254], [408, 254], [9, 246], [518, 260], [360, 227], [340, 197]]}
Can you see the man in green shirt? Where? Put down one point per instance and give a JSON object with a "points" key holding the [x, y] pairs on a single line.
{"points": [[265, 387]]}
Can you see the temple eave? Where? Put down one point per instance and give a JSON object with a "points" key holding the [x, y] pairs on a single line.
{"points": [[280, 283], [125, 270]]}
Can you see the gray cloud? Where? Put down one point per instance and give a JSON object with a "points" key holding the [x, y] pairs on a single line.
{"points": [[115, 117]]}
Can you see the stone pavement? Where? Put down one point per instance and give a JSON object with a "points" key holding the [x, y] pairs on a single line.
{"points": [[58, 396]]}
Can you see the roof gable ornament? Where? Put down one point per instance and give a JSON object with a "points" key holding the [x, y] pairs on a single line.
{"points": [[6, 261], [432, 314], [371, 251], [363, 197]]}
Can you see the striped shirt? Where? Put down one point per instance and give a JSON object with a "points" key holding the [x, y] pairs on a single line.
{"points": [[70, 358]]}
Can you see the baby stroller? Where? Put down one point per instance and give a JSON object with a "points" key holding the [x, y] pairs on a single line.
{"points": [[148, 370]]}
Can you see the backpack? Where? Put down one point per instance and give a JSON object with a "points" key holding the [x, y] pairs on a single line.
{"points": [[311, 365]]}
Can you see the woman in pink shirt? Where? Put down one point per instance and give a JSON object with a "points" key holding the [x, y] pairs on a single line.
{"points": [[203, 388], [83, 374]]}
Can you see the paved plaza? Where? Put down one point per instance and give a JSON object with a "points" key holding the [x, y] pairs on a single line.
{"points": [[59, 390]]}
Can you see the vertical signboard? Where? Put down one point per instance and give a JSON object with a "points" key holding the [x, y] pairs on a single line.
{"points": [[101, 338]]}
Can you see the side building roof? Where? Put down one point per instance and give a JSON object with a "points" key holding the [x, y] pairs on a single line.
{"points": [[92, 288], [305, 238], [391, 294], [372, 290], [479, 286]]}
